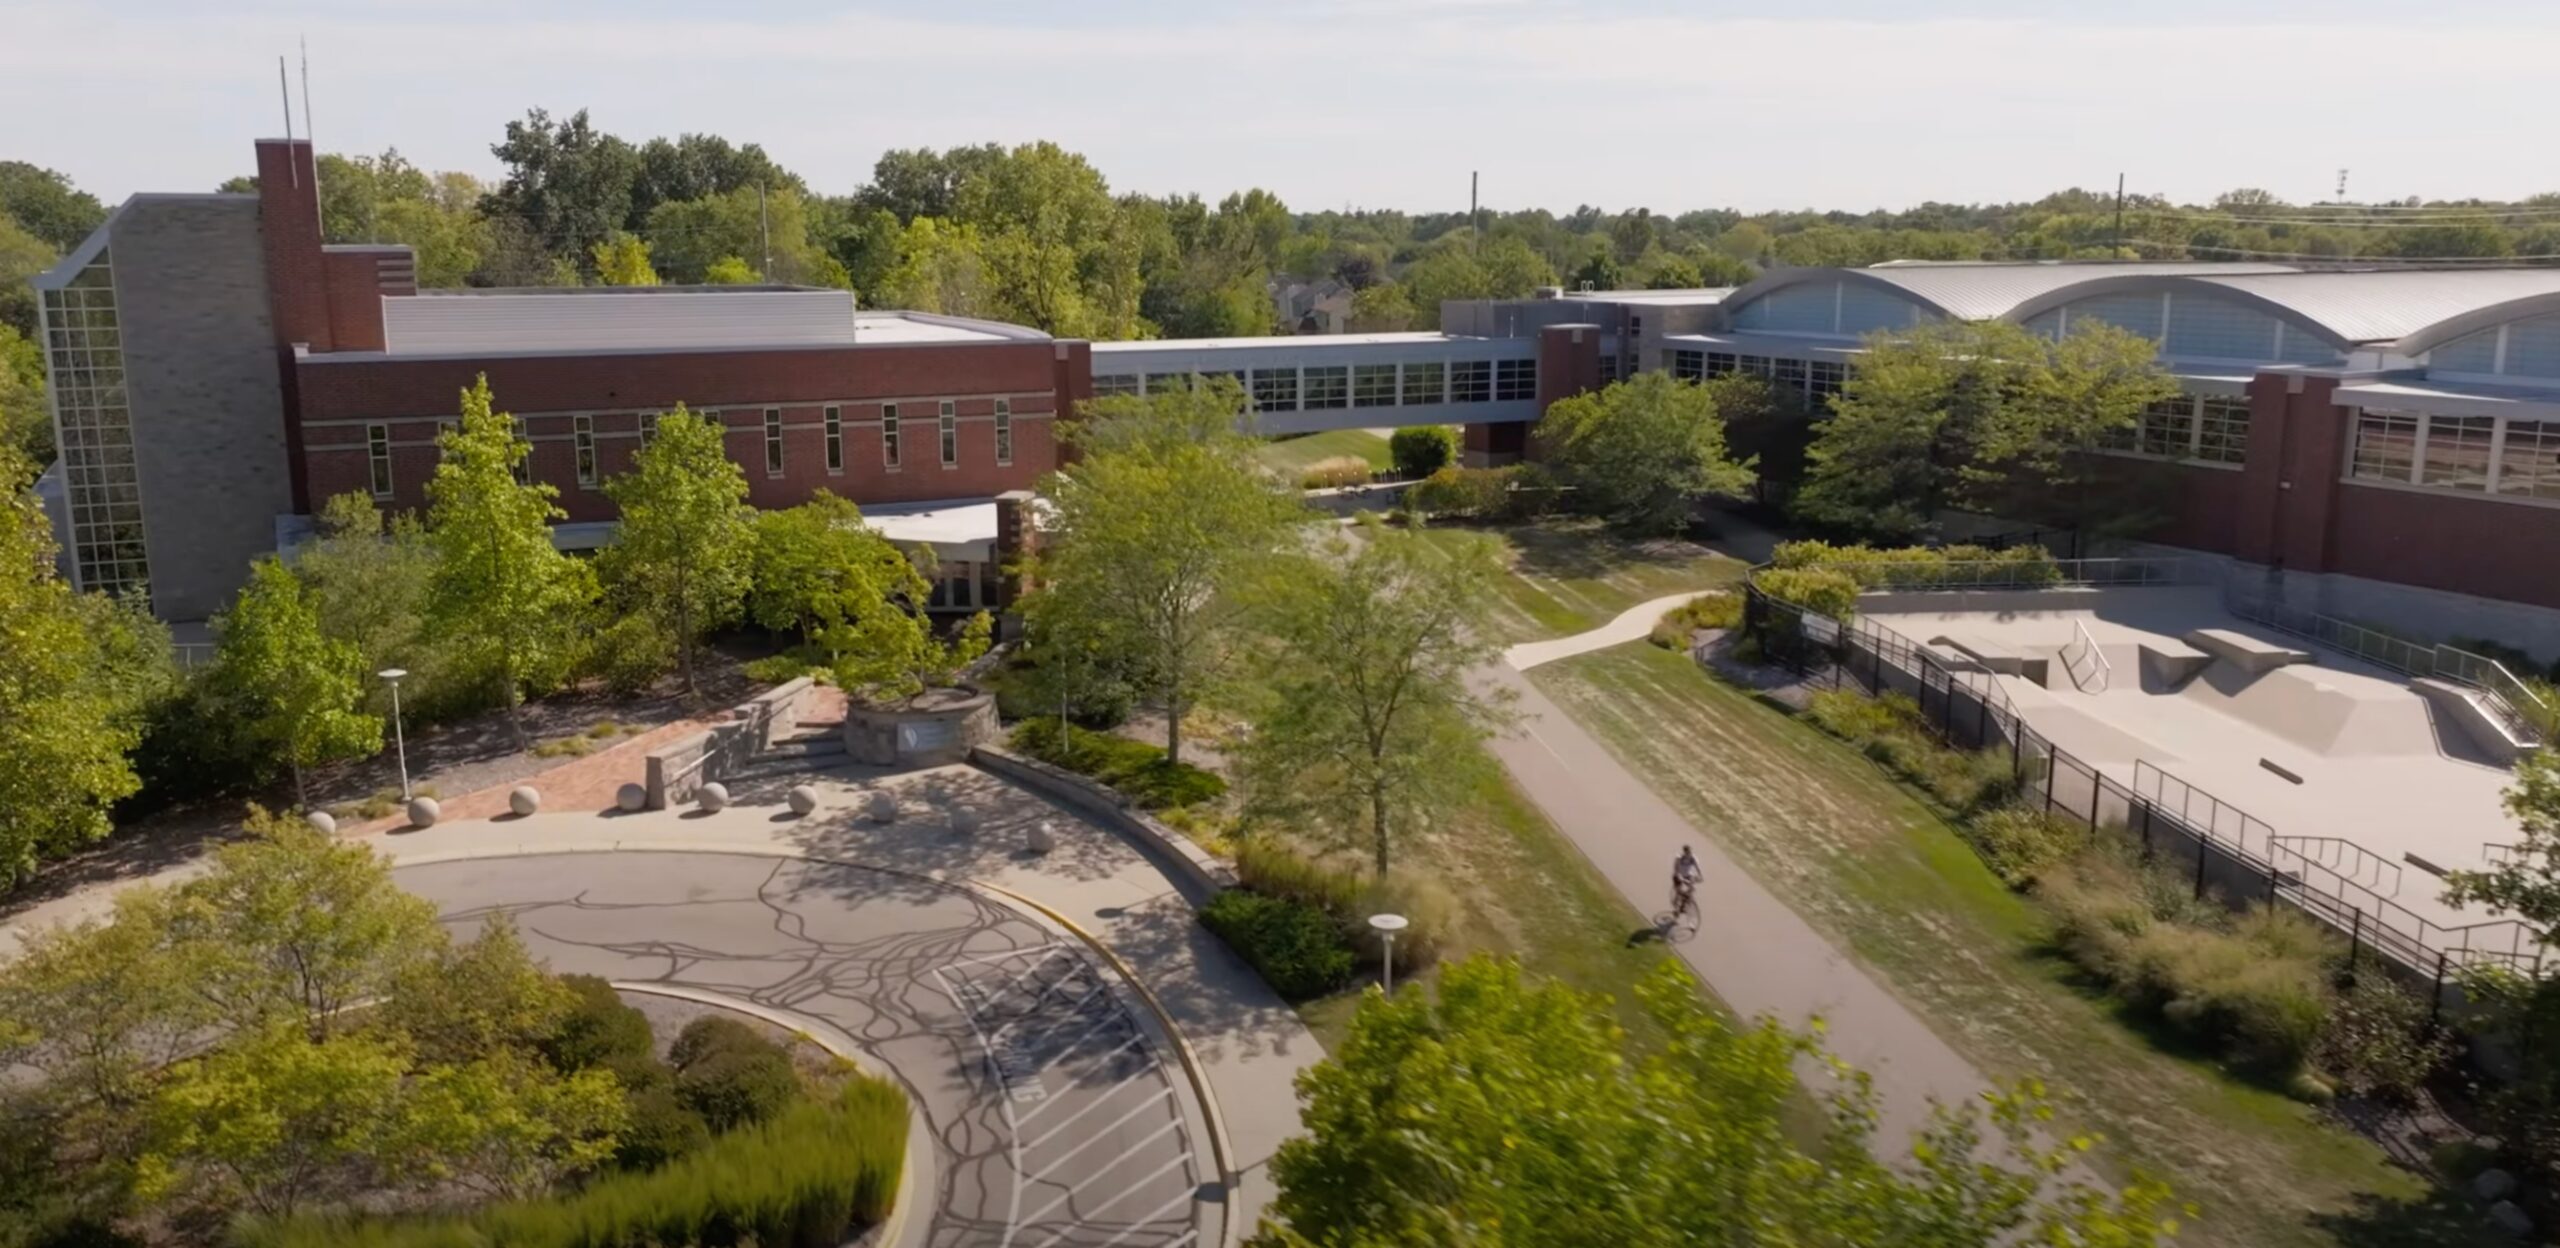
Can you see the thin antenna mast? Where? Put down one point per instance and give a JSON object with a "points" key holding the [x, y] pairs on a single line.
{"points": [[284, 90], [1475, 215], [2119, 203], [2342, 186], [306, 102]]}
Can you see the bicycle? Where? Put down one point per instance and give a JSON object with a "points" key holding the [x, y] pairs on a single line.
{"points": [[1684, 901]]}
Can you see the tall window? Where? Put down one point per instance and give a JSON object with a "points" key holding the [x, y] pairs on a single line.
{"points": [[584, 436], [1328, 386], [1423, 383], [2222, 430], [2168, 428], [1373, 385], [377, 450], [1824, 378], [950, 436], [773, 441], [2386, 446], [889, 436], [2458, 452], [1686, 365], [1275, 389], [1720, 363], [648, 428], [2530, 465], [1105, 385], [1004, 433], [523, 450], [1514, 380], [1471, 381], [835, 439]]}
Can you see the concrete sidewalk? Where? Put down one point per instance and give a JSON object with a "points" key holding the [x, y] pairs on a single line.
{"points": [[1632, 624], [1757, 954]]}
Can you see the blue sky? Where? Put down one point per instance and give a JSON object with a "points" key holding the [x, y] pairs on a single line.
{"points": [[1373, 103]]}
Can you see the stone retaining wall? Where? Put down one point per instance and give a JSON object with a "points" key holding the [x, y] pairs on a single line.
{"points": [[1200, 875]]}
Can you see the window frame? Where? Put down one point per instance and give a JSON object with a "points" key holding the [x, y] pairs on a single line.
{"points": [[1374, 385], [1004, 433], [890, 450], [1324, 387], [377, 455], [773, 461], [1275, 389], [832, 419], [1423, 383], [949, 427], [582, 434], [1471, 381], [1515, 380]]}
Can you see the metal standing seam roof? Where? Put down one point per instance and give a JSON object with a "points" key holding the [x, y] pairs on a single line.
{"points": [[662, 319], [1985, 291], [2387, 306]]}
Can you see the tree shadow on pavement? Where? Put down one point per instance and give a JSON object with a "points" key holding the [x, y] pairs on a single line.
{"points": [[2440, 1217]]}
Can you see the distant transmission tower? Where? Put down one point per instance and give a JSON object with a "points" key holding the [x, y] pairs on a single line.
{"points": [[2342, 186]]}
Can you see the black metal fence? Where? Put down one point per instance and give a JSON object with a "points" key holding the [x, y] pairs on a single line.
{"points": [[2225, 851]]}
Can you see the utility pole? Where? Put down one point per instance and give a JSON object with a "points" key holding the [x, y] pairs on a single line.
{"points": [[1475, 215], [764, 222], [2119, 216], [284, 90]]}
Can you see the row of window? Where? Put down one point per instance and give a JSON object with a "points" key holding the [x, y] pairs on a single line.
{"points": [[2203, 428], [1324, 387], [583, 440], [1817, 379], [2479, 454]]}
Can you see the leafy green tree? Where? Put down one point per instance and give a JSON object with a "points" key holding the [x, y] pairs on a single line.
{"points": [[623, 260], [942, 268], [1581, 1141], [1158, 529], [292, 689], [1049, 227], [1367, 724], [98, 1009], [1384, 308], [567, 182], [501, 591], [466, 1001], [1765, 425], [2526, 881], [1447, 272], [682, 551], [25, 422], [1975, 414], [1512, 270], [22, 256], [892, 652], [817, 566], [1599, 269], [770, 229], [504, 1125], [292, 926], [47, 205], [64, 733], [701, 166], [1640, 450], [274, 1120], [443, 227], [368, 582], [731, 271]]}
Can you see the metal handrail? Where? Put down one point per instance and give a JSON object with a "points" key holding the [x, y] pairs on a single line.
{"points": [[2011, 573], [2523, 712], [2104, 670], [2329, 851]]}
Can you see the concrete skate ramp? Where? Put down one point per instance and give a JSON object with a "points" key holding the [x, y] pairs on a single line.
{"points": [[2330, 714], [2245, 650], [2168, 665]]}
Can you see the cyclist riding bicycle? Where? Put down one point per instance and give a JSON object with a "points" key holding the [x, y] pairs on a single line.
{"points": [[1685, 874]]}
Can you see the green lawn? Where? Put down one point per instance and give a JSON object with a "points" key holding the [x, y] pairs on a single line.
{"points": [[1296, 455], [1572, 575], [1523, 891], [1864, 858]]}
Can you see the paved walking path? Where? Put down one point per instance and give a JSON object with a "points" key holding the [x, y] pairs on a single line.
{"points": [[1757, 954], [1632, 624], [717, 901]]}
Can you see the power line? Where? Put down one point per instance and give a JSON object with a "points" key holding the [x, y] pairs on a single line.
{"points": [[2392, 261]]}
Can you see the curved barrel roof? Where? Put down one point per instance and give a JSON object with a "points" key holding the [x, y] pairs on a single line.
{"points": [[2371, 307], [1970, 291]]}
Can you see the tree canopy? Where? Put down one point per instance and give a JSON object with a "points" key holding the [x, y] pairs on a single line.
{"points": [[1639, 450], [681, 554]]}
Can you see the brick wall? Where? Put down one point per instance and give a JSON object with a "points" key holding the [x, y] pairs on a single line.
{"points": [[340, 398]]}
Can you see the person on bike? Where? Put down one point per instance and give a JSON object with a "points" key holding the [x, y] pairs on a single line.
{"points": [[1685, 874]]}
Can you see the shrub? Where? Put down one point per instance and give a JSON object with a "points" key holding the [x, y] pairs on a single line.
{"points": [[600, 1029], [2379, 1042], [1430, 911], [1274, 870], [806, 1179], [632, 652], [1423, 449], [1852, 717], [565, 747], [1920, 567], [660, 1129], [730, 1075], [776, 669], [1823, 591], [1298, 948], [1469, 493], [2020, 843], [1138, 770], [1334, 473], [1722, 609], [1348, 897]]}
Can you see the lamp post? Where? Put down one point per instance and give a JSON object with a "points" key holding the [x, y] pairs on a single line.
{"points": [[1387, 925], [399, 738]]}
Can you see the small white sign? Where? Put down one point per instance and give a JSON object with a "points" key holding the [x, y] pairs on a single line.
{"points": [[1820, 628], [925, 734]]}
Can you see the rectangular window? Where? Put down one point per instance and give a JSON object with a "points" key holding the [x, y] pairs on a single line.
{"points": [[2386, 446], [2530, 465], [1328, 387], [1608, 369], [2168, 428], [1373, 385], [1168, 383], [950, 436], [1424, 383], [773, 441], [2222, 431], [1720, 364], [835, 439], [585, 438], [1788, 373], [648, 428], [1756, 365], [1111, 385], [1471, 381], [1687, 365], [377, 450], [2458, 452], [1514, 380], [889, 436], [1004, 433], [1824, 378], [1275, 389], [523, 471]]}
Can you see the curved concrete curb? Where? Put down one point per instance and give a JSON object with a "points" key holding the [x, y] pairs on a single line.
{"points": [[895, 1232], [1191, 1067]]}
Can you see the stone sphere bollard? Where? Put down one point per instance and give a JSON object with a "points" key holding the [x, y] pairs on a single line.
{"points": [[882, 808], [423, 812], [712, 797], [803, 799], [525, 800], [632, 798], [323, 822], [964, 820], [1042, 837]]}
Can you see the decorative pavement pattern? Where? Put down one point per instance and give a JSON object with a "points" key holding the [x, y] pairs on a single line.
{"points": [[1058, 1122]]}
